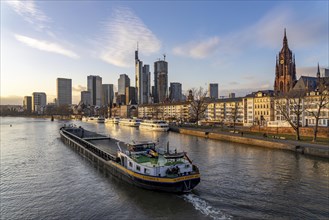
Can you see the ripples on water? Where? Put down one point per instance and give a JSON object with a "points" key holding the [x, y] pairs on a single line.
{"points": [[41, 178]]}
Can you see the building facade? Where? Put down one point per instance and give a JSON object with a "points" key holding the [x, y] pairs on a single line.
{"points": [[160, 81], [123, 82], [131, 96], [64, 91], [39, 102], [27, 104], [285, 69], [175, 92], [86, 97], [94, 85], [108, 94], [179, 111], [142, 81], [213, 90], [263, 107]]}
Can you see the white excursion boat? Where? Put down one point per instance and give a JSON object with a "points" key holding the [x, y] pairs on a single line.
{"points": [[154, 125], [131, 122], [114, 120]]}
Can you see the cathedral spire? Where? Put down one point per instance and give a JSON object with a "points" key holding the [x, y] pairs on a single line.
{"points": [[318, 73], [285, 40]]}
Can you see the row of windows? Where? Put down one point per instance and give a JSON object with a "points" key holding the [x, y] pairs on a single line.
{"points": [[262, 113], [138, 168]]}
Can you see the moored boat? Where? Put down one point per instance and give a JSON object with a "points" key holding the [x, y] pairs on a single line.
{"points": [[154, 125], [114, 120], [100, 119], [131, 122], [142, 164]]}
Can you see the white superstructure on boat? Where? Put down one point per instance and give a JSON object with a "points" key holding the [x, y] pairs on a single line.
{"points": [[131, 122], [114, 120], [154, 125]]}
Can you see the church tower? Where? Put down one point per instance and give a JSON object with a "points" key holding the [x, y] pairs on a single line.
{"points": [[285, 69]]}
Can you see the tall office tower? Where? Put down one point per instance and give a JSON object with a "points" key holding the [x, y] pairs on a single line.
{"points": [[175, 91], [64, 91], [143, 80], [160, 80], [231, 95], [123, 82], [86, 97], [130, 95], [39, 101], [108, 94], [285, 69], [213, 90], [27, 103], [95, 88]]}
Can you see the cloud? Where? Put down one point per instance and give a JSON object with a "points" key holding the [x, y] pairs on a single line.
{"points": [[30, 12], [121, 34], [46, 46], [198, 49], [79, 88]]}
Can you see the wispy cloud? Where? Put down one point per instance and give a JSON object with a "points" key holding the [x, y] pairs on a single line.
{"points": [[198, 49], [121, 34], [30, 12], [46, 46], [303, 31]]}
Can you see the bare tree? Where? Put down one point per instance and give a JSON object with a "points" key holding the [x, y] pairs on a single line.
{"points": [[316, 102], [234, 114], [290, 107], [198, 104]]}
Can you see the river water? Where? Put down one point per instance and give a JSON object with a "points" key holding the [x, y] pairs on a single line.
{"points": [[41, 178]]}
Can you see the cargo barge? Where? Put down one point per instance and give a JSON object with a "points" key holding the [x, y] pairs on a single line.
{"points": [[142, 164]]}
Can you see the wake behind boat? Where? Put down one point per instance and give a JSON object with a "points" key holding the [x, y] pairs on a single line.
{"points": [[154, 125], [141, 164]]}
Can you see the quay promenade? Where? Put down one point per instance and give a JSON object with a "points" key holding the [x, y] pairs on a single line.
{"points": [[277, 142]]}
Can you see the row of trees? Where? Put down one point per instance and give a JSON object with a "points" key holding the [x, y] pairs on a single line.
{"points": [[292, 105]]}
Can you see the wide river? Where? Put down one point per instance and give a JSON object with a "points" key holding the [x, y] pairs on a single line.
{"points": [[41, 178]]}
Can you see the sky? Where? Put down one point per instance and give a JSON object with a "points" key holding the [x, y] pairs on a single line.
{"points": [[232, 43]]}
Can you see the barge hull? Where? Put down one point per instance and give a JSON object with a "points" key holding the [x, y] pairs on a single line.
{"points": [[109, 164]]}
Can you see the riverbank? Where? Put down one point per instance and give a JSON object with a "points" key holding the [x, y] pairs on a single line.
{"points": [[313, 149]]}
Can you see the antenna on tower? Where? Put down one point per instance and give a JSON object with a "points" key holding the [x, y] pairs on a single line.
{"points": [[137, 45], [164, 57]]}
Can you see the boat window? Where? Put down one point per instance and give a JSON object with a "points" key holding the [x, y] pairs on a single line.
{"points": [[138, 168], [187, 166], [146, 171], [130, 164]]}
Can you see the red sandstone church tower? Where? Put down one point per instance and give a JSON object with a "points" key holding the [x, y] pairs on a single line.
{"points": [[285, 69]]}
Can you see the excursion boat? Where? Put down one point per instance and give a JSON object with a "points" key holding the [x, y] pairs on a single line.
{"points": [[131, 122], [114, 120], [154, 125], [142, 164]]}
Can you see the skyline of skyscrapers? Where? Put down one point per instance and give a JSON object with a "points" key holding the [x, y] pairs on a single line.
{"points": [[160, 81], [39, 101], [213, 90], [123, 82], [175, 91], [64, 91], [108, 94], [86, 97], [94, 86], [142, 80], [27, 103]]}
